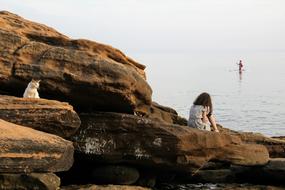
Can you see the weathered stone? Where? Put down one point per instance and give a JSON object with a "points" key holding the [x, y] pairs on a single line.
{"points": [[275, 169], [112, 174], [26, 150], [275, 146], [116, 138], [216, 166], [212, 176], [32, 181], [103, 187], [280, 138], [219, 186], [273, 173], [89, 75], [163, 114], [147, 179], [45, 115]]}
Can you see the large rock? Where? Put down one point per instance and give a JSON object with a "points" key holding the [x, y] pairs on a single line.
{"points": [[50, 116], [272, 173], [162, 114], [275, 170], [280, 138], [32, 181], [123, 175], [275, 146], [89, 75], [103, 187], [211, 176], [219, 186], [26, 150], [117, 138]]}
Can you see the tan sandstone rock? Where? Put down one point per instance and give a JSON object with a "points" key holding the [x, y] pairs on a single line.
{"points": [[32, 181], [104, 187], [272, 173], [26, 150], [117, 138], [162, 114], [121, 175], [275, 146], [49, 116], [88, 75]]}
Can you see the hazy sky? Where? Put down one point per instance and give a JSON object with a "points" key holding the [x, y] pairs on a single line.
{"points": [[164, 26]]}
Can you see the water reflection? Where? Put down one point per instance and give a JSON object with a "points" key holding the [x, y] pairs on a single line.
{"points": [[240, 75]]}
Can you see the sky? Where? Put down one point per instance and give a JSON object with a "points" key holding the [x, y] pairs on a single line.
{"points": [[164, 26]]}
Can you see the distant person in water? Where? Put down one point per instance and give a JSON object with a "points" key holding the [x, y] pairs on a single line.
{"points": [[240, 66], [201, 114]]}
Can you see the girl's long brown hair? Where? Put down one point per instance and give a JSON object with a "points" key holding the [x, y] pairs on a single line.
{"points": [[204, 99]]}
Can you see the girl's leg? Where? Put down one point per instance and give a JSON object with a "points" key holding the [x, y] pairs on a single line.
{"points": [[213, 123]]}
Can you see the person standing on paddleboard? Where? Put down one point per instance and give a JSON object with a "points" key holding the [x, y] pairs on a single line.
{"points": [[240, 65]]}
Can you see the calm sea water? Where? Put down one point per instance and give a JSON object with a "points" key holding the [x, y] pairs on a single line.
{"points": [[251, 101]]}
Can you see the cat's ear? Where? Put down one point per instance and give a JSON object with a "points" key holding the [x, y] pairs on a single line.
{"points": [[38, 81], [32, 80]]}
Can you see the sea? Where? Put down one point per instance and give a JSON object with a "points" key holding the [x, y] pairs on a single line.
{"points": [[252, 100]]}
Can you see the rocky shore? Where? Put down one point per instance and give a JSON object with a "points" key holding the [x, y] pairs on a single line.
{"points": [[96, 124]]}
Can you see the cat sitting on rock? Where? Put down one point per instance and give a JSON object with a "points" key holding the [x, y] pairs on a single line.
{"points": [[32, 89]]}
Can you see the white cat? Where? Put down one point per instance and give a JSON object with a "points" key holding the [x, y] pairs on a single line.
{"points": [[32, 89]]}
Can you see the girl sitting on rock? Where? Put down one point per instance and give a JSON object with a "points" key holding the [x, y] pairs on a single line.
{"points": [[200, 116]]}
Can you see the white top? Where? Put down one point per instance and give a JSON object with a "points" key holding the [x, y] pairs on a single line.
{"points": [[196, 115]]}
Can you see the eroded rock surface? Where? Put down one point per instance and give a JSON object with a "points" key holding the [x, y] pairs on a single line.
{"points": [[275, 146], [271, 174], [104, 187], [50, 116], [275, 169], [32, 181], [219, 186], [163, 114], [116, 138], [89, 75], [26, 150], [122, 175]]}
